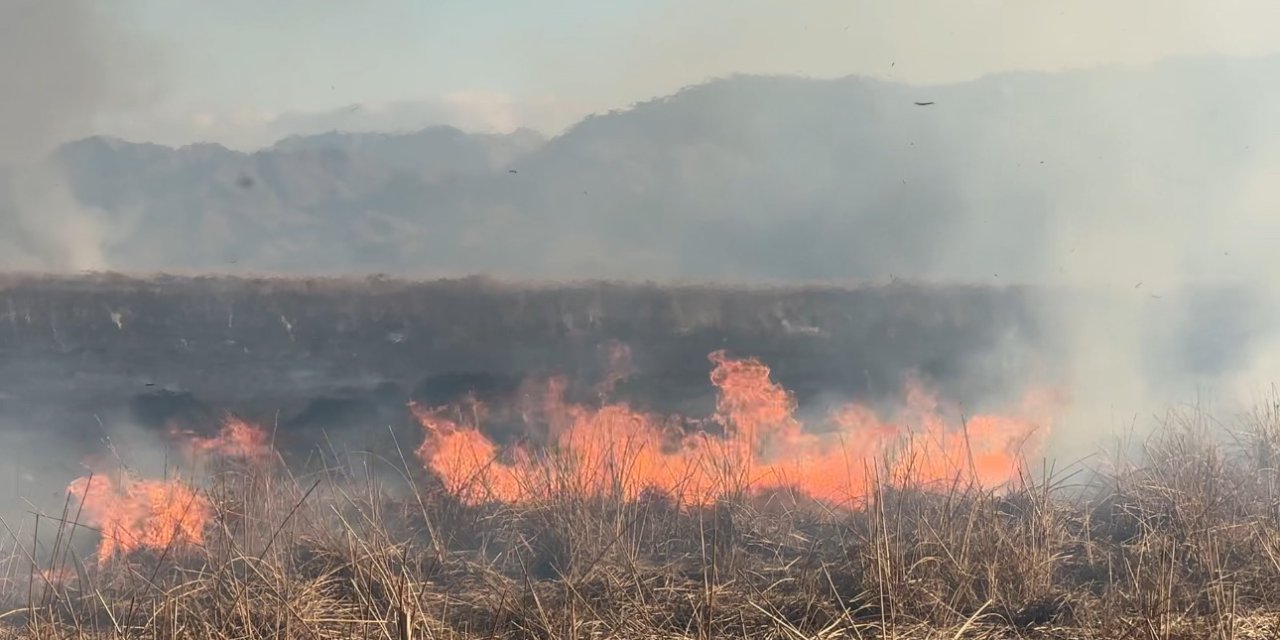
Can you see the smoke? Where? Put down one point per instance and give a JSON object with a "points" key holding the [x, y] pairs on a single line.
{"points": [[1167, 239], [60, 67], [1139, 202]]}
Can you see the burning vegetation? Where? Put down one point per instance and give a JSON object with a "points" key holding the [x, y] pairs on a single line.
{"points": [[598, 519], [614, 451], [693, 481], [167, 515], [133, 513]]}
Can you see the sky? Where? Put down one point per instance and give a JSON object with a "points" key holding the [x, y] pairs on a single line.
{"points": [[245, 73]]}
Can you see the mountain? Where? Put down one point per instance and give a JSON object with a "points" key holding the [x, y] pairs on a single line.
{"points": [[287, 207], [431, 151], [748, 177]]}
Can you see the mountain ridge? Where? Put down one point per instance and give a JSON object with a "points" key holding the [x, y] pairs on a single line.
{"points": [[750, 177]]}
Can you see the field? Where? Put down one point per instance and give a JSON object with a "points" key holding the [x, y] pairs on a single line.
{"points": [[338, 360], [1182, 543], [603, 462]]}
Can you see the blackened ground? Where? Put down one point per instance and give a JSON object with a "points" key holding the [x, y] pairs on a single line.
{"points": [[333, 363]]}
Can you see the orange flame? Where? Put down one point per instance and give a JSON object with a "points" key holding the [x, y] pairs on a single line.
{"points": [[462, 458], [617, 451], [141, 514], [134, 513], [236, 439]]}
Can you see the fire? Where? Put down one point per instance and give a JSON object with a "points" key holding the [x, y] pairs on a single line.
{"points": [[464, 459], [617, 451], [138, 513], [236, 439], [981, 449]]}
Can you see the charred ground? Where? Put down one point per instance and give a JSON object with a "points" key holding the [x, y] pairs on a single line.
{"points": [[1178, 542], [337, 360]]}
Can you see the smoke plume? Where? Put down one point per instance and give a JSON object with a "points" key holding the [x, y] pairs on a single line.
{"points": [[60, 66]]}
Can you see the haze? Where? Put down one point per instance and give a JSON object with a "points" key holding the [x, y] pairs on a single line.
{"points": [[1125, 147], [246, 73]]}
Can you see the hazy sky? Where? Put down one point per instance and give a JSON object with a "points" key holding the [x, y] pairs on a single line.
{"points": [[243, 71]]}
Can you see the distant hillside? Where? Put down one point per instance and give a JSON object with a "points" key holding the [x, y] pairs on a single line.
{"points": [[742, 178]]}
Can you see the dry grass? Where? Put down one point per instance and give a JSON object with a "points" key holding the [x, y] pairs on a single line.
{"points": [[1180, 541]]}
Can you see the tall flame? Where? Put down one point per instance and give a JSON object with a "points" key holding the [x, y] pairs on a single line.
{"points": [[464, 459], [138, 513], [617, 451], [135, 514]]}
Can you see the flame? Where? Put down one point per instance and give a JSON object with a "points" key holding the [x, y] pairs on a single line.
{"points": [[135, 514], [617, 451], [138, 513], [236, 439], [462, 458], [983, 447]]}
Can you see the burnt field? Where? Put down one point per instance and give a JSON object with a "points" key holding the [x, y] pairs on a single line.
{"points": [[323, 361], [922, 524]]}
